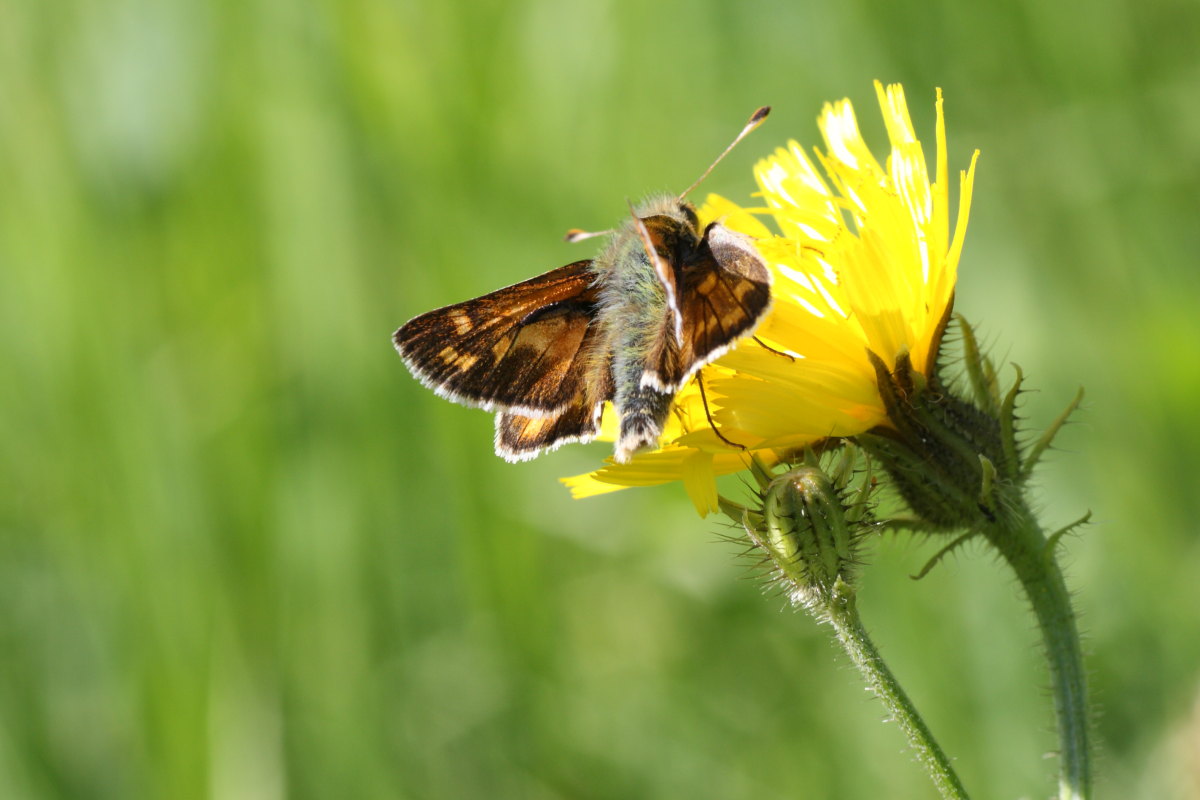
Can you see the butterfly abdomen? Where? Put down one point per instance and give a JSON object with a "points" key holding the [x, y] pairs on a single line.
{"points": [[643, 413]]}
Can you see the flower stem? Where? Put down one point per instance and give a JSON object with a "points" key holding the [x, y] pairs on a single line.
{"points": [[843, 615], [1024, 546]]}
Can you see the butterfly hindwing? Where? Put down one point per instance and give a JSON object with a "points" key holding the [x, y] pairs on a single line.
{"points": [[520, 437], [520, 349]]}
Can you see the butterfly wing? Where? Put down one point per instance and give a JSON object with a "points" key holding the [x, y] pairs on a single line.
{"points": [[721, 294], [524, 349], [520, 437]]}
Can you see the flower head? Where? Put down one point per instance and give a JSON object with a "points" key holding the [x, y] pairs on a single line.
{"points": [[864, 263]]}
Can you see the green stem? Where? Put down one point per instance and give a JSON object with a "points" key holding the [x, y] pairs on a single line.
{"points": [[1023, 545], [843, 615]]}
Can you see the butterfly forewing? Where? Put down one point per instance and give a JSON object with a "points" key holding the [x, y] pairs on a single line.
{"points": [[661, 235], [521, 349], [723, 292]]}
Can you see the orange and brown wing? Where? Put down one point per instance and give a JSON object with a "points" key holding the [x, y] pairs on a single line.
{"points": [[722, 294], [522, 349], [520, 438]]}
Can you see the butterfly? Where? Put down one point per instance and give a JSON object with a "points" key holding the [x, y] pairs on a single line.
{"points": [[631, 326]]}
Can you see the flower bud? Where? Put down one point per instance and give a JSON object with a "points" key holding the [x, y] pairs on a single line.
{"points": [[811, 536], [944, 454]]}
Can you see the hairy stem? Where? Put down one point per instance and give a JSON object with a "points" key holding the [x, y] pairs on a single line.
{"points": [[843, 615], [1023, 545]]}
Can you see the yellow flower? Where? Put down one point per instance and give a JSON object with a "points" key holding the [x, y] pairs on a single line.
{"points": [[865, 262]]}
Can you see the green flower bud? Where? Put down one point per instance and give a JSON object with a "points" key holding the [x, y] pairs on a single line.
{"points": [[955, 457], [810, 533], [946, 456]]}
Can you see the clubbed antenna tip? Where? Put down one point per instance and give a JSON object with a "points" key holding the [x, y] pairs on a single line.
{"points": [[755, 120]]}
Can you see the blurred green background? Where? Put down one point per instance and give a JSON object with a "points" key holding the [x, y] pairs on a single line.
{"points": [[243, 554]]}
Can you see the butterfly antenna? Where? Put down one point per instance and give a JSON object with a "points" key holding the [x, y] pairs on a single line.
{"points": [[756, 119], [577, 235]]}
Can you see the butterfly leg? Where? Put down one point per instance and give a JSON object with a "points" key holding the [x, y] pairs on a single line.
{"points": [[708, 414], [766, 346]]}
